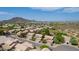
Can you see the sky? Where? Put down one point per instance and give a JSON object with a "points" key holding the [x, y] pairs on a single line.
{"points": [[41, 13]]}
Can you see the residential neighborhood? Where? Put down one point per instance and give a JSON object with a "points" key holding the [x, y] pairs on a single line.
{"points": [[35, 37], [39, 29]]}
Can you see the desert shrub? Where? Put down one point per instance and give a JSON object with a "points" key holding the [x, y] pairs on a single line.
{"points": [[73, 41], [45, 31], [44, 46], [56, 41], [63, 33], [33, 39], [22, 35], [11, 27], [58, 32], [42, 37], [58, 38], [1, 32], [44, 41]]}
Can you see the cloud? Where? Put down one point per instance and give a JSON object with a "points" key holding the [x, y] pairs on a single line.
{"points": [[5, 13], [47, 8], [71, 9], [64, 9]]}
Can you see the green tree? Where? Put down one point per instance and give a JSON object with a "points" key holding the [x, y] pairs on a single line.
{"points": [[45, 31], [44, 46], [73, 41], [58, 38], [11, 27], [56, 41]]}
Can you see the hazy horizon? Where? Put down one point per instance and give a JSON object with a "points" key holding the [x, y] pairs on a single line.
{"points": [[41, 13]]}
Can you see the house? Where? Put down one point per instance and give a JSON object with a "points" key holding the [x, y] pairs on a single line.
{"points": [[2, 39], [49, 40], [11, 31], [38, 35], [29, 36], [8, 44], [37, 40], [30, 45], [19, 33], [20, 47], [31, 30], [23, 47], [25, 31], [48, 37]]}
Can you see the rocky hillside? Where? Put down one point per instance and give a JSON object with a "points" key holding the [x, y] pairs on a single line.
{"points": [[16, 20]]}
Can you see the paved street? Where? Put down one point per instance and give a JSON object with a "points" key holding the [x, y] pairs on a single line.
{"points": [[59, 48], [65, 48]]}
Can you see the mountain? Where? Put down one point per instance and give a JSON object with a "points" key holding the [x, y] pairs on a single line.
{"points": [[17, 20]]}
